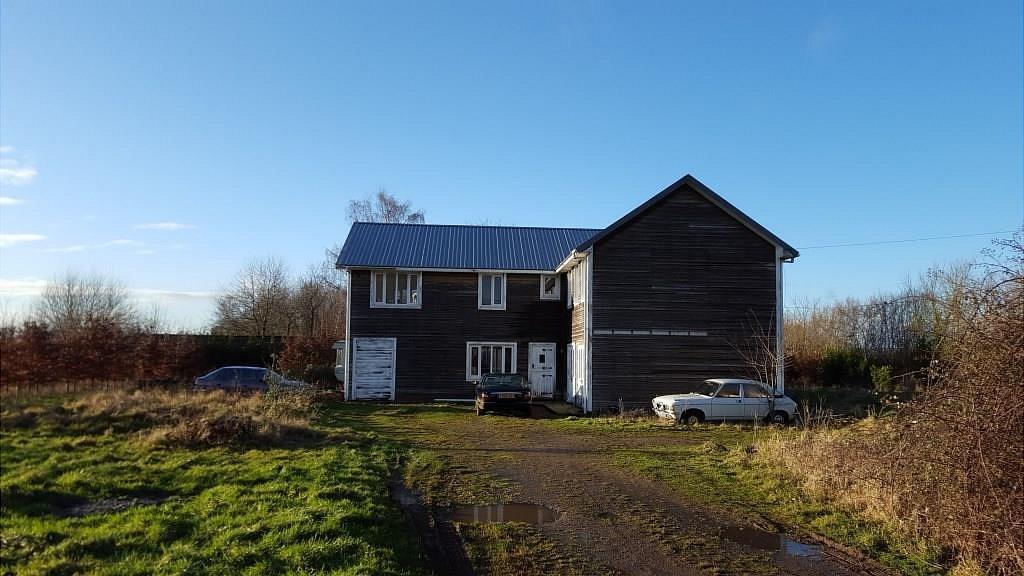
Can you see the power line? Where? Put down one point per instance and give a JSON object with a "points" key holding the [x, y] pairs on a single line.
{"points": [[906, 240]]}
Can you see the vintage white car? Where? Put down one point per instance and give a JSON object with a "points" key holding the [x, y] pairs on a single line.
{"points": [[728, 399]]}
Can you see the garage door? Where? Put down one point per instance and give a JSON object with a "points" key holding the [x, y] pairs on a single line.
{"points": [[373, 369]]}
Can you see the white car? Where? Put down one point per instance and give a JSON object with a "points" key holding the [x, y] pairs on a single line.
{"points": [[728, 399]]}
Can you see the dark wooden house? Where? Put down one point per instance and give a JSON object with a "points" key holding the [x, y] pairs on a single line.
{"points": [[675, 292]]}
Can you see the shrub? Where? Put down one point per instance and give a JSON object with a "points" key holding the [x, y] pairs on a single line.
{"points": [[948, 468]]}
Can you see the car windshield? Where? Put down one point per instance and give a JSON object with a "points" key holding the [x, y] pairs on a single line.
{"points": [[503, 382], [707, 388]]}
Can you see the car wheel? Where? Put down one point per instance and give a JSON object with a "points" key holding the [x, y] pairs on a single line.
{"points": [[692, 417], [779, 417]]}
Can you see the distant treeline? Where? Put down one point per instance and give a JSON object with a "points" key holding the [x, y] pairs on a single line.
{"points": [[885, 342], [36, 358]]}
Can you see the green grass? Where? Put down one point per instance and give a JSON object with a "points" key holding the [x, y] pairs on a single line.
{"points": [[320, 504], [516, 548], [316, 508]]}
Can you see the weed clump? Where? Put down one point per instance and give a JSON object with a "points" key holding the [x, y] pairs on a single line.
{"points": [[947, 468], [165, 418]]}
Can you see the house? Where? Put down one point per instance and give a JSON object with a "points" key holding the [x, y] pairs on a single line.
{"points": [[662, 299]]}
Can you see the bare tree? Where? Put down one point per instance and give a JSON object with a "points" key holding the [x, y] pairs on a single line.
{"points": [[384, 208], [319, 303], [76, 301], [257, 303]]}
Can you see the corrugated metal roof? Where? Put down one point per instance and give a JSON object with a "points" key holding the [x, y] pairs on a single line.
{"points": [[443, 246]]}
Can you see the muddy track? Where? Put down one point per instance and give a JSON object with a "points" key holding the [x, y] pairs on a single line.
{"points": [[616, 521]]}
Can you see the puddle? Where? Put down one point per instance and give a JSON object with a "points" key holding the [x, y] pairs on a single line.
{"points": [[528, 513], [771, 541], [109, 505]]}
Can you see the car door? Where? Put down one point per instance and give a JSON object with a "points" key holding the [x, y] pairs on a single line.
{"points": [[226, 379], [727, 403], [755, 402]]}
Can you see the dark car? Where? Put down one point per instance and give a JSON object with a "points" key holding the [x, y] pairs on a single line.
{"points": [[502, 392], [242, 379]]}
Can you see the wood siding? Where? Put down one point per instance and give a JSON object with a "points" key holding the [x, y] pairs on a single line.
{"points": [[684, 265], [431, 340]]}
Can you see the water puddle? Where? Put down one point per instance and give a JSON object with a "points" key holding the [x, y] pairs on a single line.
{"points": [[109, 505], [771, 541], [528, 513]]}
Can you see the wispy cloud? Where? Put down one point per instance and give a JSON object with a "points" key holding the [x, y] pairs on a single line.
{"points": [[83, 247], [21, 286], [6, 149], [14, 173], [145, 252], [123, 242], [72, 248], [8, 201], [142, 292], [32, 286], [8, 240], [169, 226]]}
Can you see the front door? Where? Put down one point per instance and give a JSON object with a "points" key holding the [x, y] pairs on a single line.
{"points": [[542, 369]]}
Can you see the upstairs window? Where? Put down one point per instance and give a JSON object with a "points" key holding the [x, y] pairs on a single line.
{"points": [[491, 291], [550, 287], [394, 289]]}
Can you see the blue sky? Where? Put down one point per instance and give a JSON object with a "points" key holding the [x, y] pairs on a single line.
{"points": [[167, 143]]}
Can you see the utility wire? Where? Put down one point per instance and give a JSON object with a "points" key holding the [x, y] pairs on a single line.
{"points": [[873, 243]]}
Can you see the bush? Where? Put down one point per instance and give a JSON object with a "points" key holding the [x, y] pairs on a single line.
{"points": [[948, 468], [843, 367]]}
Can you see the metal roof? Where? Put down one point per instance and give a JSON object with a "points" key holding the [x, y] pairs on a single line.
{"points": [[449, 247]]}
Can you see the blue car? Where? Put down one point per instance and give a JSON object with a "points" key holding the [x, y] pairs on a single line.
{"points": [[243, 379]]}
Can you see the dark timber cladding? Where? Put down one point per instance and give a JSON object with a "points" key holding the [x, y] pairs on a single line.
{"points": [[683, 266], [431, 341]]}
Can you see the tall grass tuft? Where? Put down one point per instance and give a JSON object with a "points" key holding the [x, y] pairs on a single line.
{"points": [[179, 418], [947, 468]]}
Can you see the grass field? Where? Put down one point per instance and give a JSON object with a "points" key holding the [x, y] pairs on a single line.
{"points": [[316, 500], [319, 506]]}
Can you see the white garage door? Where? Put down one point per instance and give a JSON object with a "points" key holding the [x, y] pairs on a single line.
{"points": [[373, 369]]}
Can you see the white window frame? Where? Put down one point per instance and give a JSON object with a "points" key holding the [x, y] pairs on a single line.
{"points": [[558, 287], [469, 358], [480, 291], [419, 288]]}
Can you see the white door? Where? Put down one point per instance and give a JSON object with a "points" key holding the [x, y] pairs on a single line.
{"points": [[542, 369], [373, 368]]}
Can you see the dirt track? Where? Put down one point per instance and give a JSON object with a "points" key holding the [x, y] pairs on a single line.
{"points": [[612, 520]]}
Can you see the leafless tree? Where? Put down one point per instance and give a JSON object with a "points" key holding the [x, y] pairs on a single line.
{"points": [[257, 303], [319, 303], [384, 208], [759, 352], [76, 301]]}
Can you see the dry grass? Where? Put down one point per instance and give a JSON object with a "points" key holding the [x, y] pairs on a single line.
{"points": [[948, 468], [170, 418]]}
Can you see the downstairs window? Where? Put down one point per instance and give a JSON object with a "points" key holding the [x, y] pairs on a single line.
{"points": [[490, 357]]}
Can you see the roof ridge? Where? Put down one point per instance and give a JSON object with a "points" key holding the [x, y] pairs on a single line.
{"points": [[475, 226]]}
